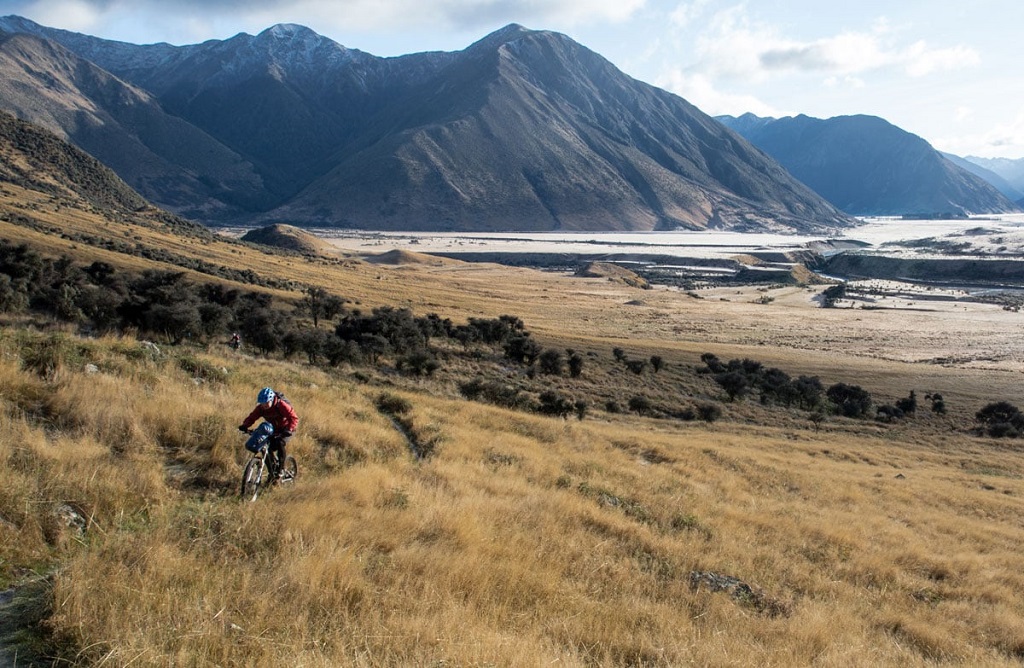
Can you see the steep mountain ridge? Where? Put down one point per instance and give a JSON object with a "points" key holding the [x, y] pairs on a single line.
{"points": [[867, 166], [1003, 185], [1007, 168], [165, 158], [542, 133], [521, 130]]}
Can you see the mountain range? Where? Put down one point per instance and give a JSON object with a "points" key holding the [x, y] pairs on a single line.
{"points": [[866, 166], [1010, 171], [1003, 184], [522, 130]]}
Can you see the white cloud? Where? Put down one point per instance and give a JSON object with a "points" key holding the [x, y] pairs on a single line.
{"points": [[738, 46], [699, 91], [1001, 141], [921, 61], [686, 13], [849, 82], [322, 15], [466, 14], [963, 113], [75, 15]]}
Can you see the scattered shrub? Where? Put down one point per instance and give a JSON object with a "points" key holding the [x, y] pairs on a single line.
{"points": [[849, 400], [575, 364], [908, 405], [888, 413], [393, 404], [522, 348], [419, 362], [554, 403], [938, 403], [832, 295], [493, 392], [1001, 419], [636, 366], [551, 362], [641, 405], [713, 364], [734, 383], [709, 412]]}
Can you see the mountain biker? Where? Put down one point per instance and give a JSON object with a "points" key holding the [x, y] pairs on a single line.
{"points": [[276, 410], [236, 341]]}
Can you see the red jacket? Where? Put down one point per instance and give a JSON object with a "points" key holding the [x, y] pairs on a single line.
{"points": [[280, 414]]}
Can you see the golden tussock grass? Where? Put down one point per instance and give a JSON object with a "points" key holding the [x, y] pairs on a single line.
{"points": [[520, 540]]}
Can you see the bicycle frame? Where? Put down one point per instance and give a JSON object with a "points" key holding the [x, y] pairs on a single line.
{"points": [[260, 470]]}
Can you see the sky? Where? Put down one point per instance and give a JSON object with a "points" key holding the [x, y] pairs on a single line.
{"points": [[948, 71]]}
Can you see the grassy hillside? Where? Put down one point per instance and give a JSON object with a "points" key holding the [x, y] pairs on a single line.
{"points": [[521, 540]]}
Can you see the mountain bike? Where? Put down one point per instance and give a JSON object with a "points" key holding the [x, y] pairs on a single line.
{"points": [[261, 470]]}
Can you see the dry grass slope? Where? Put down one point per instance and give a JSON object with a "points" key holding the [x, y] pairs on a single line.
{"points": [[522, 540]]}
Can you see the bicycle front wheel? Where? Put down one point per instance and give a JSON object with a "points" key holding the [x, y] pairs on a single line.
{"points": [[291, 469], [252, 477]]}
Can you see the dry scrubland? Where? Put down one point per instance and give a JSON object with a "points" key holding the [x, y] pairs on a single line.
{"points": [[523, 540]]}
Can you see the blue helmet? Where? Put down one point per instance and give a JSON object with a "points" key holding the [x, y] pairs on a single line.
{"points": [[265, 395]]}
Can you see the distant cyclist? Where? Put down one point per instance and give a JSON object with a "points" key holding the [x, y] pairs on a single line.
{"points": [[276, 410], [236, 341]]}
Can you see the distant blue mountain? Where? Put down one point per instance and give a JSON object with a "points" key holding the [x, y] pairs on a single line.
{"points": [[1015, 193], [1006, 168], [866, 166]]}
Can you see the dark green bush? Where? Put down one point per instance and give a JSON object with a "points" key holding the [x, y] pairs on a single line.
{"points": [[850, 400], [555, 403], [709, 412], [551, 362], [734, 383], [575, 364], [1001, 419], [419, 362], [641, 405]]}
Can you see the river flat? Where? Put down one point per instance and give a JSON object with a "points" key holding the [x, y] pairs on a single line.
{"points": [[873, 233]]}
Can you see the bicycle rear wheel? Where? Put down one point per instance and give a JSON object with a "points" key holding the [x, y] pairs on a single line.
{"points": [[291, 469], [252, 477]]}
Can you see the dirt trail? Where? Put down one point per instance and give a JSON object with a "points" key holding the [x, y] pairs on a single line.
{"points": [[22, 607]]}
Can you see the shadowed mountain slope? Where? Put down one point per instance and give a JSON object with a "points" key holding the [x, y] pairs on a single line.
{"points": [[532, 131], [867, 166], [35, 159], [165, 158], [1002, 184], [522, 130], [1009, 169]]}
